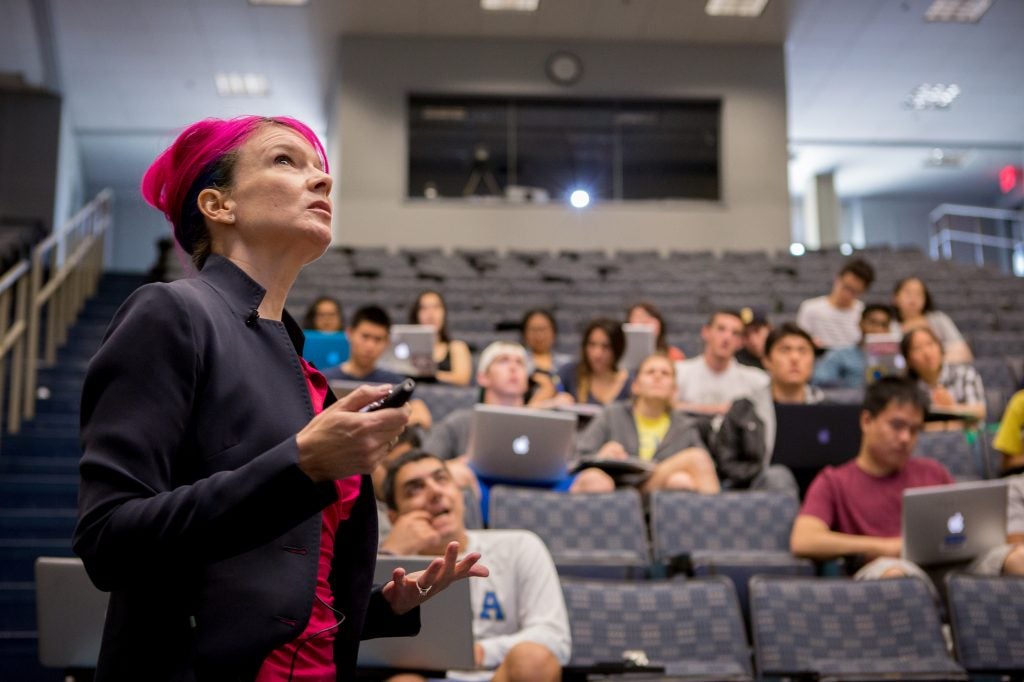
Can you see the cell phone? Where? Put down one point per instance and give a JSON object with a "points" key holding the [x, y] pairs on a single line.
{"points": [[398, 396]]}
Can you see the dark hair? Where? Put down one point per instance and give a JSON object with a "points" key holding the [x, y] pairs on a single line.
{"points": [[893, 389], [617, 339], [782, 331], [861, 269], [388, 486], [906, 342], [372, 314], [929, 304], [191, 230], [652, 310], [310, 317], [543, 312], [723, 311], [876, 308], [414, 313]]}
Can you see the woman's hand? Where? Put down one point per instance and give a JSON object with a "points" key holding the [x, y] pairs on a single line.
{"points": [[407, 591], [341, 441]]}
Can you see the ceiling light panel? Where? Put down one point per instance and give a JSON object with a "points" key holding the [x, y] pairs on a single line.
{"points": [[735, 8], [242, 85], [961, 11], [932, 96], [510, 5], [282, 3]]}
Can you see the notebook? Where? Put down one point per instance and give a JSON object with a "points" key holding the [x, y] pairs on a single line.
{"points": [[70, 612], [325, 349], [640, 343], [411, 352], [945, 524], [445, 641], [521, 444]]}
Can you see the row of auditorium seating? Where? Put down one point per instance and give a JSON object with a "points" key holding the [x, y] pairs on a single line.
{"points": [[801, 628]]}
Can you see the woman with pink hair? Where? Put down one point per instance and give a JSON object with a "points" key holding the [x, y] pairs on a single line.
{"points": [[225, 500]]}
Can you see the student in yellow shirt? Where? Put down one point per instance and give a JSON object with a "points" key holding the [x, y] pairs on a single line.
{"points": [[647, 429], [1009, 438]]}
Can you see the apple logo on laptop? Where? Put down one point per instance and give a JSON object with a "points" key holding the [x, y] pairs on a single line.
{"points": [[521, 445], [824, 436], [402, 351], [955, 524]]}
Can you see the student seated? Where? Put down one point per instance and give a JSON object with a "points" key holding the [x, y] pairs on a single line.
{"points": [[956, 388], [756, 328], [647, 313], [710, 382], [454, 361], [847, 367], [856, 508], [501, 373], [1009, 439], [746, 438], [596, 378], [915, 308], [648, 429], [324, 315], [832, 320], [520, 623], [368, 337]]}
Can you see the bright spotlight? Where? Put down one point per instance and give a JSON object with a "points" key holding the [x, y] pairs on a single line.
{"points": [[846, 249], [797, 249], [579, 199]]}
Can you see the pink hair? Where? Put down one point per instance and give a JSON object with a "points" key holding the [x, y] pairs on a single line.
{"points": [[169, 180]]}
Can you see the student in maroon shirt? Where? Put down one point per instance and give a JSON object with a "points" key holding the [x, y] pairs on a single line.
{"points": [[856, 508]]}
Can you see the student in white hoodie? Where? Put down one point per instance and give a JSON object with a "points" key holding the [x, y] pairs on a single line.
{"points": [[520, 622]]}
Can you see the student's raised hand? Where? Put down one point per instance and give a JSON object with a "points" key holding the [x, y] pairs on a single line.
{"points": [[406, 591], [341, 441]]}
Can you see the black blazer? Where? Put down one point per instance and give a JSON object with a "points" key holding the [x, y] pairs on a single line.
{"points": [[193, 512]]}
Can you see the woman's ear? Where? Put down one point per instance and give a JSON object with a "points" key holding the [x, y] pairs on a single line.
{"points": [[215, 205]]}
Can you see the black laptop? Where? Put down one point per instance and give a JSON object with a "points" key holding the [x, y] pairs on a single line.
{"points": [[811, 437]]}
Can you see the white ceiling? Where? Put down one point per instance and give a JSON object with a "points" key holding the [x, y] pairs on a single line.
{"points": [[134, 71]]}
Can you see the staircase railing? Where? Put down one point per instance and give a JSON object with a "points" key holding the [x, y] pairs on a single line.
{"points": [[62, 273]]}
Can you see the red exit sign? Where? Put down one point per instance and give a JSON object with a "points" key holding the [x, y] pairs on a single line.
{"points": [[1009, 178]]}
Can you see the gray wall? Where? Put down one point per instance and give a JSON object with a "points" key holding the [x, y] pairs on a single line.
{"points": [[367, 143]]}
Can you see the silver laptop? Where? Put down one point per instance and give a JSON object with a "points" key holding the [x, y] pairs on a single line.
{"points": [[70, 612], [521, 444], [412, 350], [945, 524], [445, 641], [640, 343]]}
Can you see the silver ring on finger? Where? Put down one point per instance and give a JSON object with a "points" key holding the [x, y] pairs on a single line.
{"points": [[424, 591]]}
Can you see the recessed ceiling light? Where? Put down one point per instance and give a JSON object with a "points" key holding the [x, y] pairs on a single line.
{"points": [[735, 8], [242, 85], [946, 158], [932, 96], [510, 5], [284, 3], [963, 11]]}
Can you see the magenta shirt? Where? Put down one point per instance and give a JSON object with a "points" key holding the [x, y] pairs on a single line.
{"points": [[850, 500], [315, 659]]}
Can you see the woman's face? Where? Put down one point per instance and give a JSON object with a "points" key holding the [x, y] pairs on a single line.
{"points": [[640, 316], [538, 334], [909, 299], [430, 310], [326, 317], [599, 352], [279, 200], [925, 354]]}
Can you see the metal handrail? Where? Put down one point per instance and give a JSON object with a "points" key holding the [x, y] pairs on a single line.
{"points": [[65, 272], [13, 324]]}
